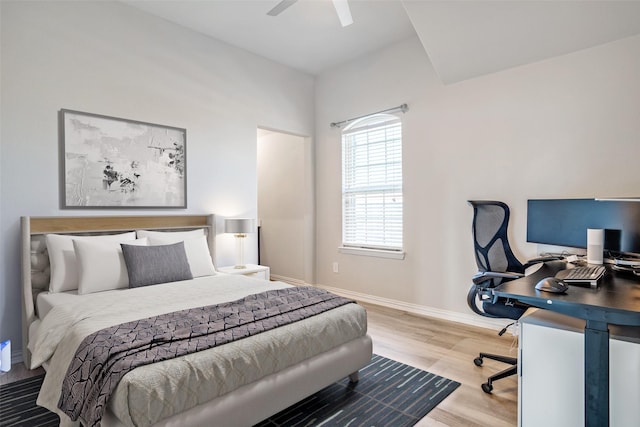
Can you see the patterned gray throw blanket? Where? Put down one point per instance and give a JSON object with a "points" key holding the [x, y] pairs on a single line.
{"points": [[104, 357]]}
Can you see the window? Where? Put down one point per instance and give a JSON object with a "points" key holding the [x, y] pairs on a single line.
{"points": [[372, 183]]}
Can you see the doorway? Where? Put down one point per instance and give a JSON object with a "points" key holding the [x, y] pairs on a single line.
{"points": [[286, 206]]}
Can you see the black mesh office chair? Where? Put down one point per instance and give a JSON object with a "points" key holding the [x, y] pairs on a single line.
{"points": [[496, 264]]}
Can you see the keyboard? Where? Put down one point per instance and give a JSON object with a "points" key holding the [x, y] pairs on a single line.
{"points": [[589, 274]]}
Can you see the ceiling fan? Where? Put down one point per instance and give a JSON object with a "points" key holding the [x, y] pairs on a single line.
{"points": [[342, 9]]}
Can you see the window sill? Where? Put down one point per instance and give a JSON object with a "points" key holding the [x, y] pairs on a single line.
{"points": [[380, 253]]}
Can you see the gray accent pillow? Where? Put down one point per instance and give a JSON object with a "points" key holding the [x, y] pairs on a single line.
{"points": [[151, 265]]}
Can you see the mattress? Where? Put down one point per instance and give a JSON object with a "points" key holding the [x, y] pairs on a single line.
{"points": [[153, 392], [45, 301]]}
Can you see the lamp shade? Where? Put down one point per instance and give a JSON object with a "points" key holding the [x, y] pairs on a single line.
{"points": [[239, 225]]}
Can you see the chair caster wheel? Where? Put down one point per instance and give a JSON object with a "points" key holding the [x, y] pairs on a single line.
{"points": [[486, 387], [478, 361]]}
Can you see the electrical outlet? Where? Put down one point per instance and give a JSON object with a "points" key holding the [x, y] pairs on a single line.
{"points": [[335, 267]]}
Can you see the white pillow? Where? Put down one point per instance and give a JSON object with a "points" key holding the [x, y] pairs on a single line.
{"points": [[199, 257], [195, 245], [167, 237], [64, 271], [101, 265]]}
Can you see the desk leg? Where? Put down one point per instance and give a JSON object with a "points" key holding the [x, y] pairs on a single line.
{"points": [[596, 380]]}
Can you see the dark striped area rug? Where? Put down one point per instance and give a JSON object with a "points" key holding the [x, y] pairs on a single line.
{"points": [[389, 393], [18, 405]]}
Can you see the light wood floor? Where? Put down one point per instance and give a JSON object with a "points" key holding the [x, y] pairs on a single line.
{"points": [[438, 346], [448, 349]]}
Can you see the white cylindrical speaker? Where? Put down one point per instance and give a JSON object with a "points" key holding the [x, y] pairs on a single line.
{"points": [[595, 245]]}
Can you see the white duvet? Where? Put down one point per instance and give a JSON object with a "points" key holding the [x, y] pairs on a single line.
{"points": [[153, 392]]}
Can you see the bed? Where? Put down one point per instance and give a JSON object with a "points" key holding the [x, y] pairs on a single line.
{"points": [[238, 383]]}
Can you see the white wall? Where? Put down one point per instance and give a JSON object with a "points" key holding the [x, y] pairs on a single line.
{"points": [[564, 127], [111, 59]]}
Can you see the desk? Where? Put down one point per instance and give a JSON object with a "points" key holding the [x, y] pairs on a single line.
{"points": [[616, 301], [544, 337]]}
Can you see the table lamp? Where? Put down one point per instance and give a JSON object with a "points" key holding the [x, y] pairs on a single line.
{"points": [[240, 227]]}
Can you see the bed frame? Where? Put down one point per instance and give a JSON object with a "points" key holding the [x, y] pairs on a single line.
{"points": [[35, 259], [265, 397]]}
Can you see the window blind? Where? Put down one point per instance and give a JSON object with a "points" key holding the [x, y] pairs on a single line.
{"points": [[372, 183]]}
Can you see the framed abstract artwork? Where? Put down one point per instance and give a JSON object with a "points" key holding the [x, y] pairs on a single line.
{"points": [[109, 162]]}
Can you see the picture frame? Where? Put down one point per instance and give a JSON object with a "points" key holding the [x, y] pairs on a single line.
{"points": [[110, 162]]}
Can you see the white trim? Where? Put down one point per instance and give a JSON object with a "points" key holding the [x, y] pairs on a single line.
{"points": [[380, 253], [289, 280], [454, 316]]}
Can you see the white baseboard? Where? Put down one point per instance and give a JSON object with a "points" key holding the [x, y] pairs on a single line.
{"points": [[289, 280], [454, 316]]}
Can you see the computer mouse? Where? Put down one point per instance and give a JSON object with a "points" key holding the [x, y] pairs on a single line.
{"points": [[551, 284]]}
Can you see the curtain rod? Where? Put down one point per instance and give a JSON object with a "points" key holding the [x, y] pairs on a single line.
{"points": [[404, 108]]}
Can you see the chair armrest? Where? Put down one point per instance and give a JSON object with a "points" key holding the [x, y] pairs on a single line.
{"points": [[483, 276], [542, 259], [472, 302]]}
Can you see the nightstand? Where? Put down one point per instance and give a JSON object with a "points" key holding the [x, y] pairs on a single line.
{"points": [[251, 270]]}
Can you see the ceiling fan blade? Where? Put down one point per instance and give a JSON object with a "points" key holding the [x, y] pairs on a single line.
{"points": [[344, 12], [280, 7]]}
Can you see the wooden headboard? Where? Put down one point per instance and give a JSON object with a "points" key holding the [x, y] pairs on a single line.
{"points": [[35, 228]]}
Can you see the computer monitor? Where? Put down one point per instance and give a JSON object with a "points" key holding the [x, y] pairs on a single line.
{"points": [[564, 222]]}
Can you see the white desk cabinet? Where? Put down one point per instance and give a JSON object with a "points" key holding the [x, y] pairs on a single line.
{"points": [[551, 369], [251, 270]]}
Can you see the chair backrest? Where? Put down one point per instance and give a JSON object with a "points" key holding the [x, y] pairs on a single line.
{"points": [[491, 245]]}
